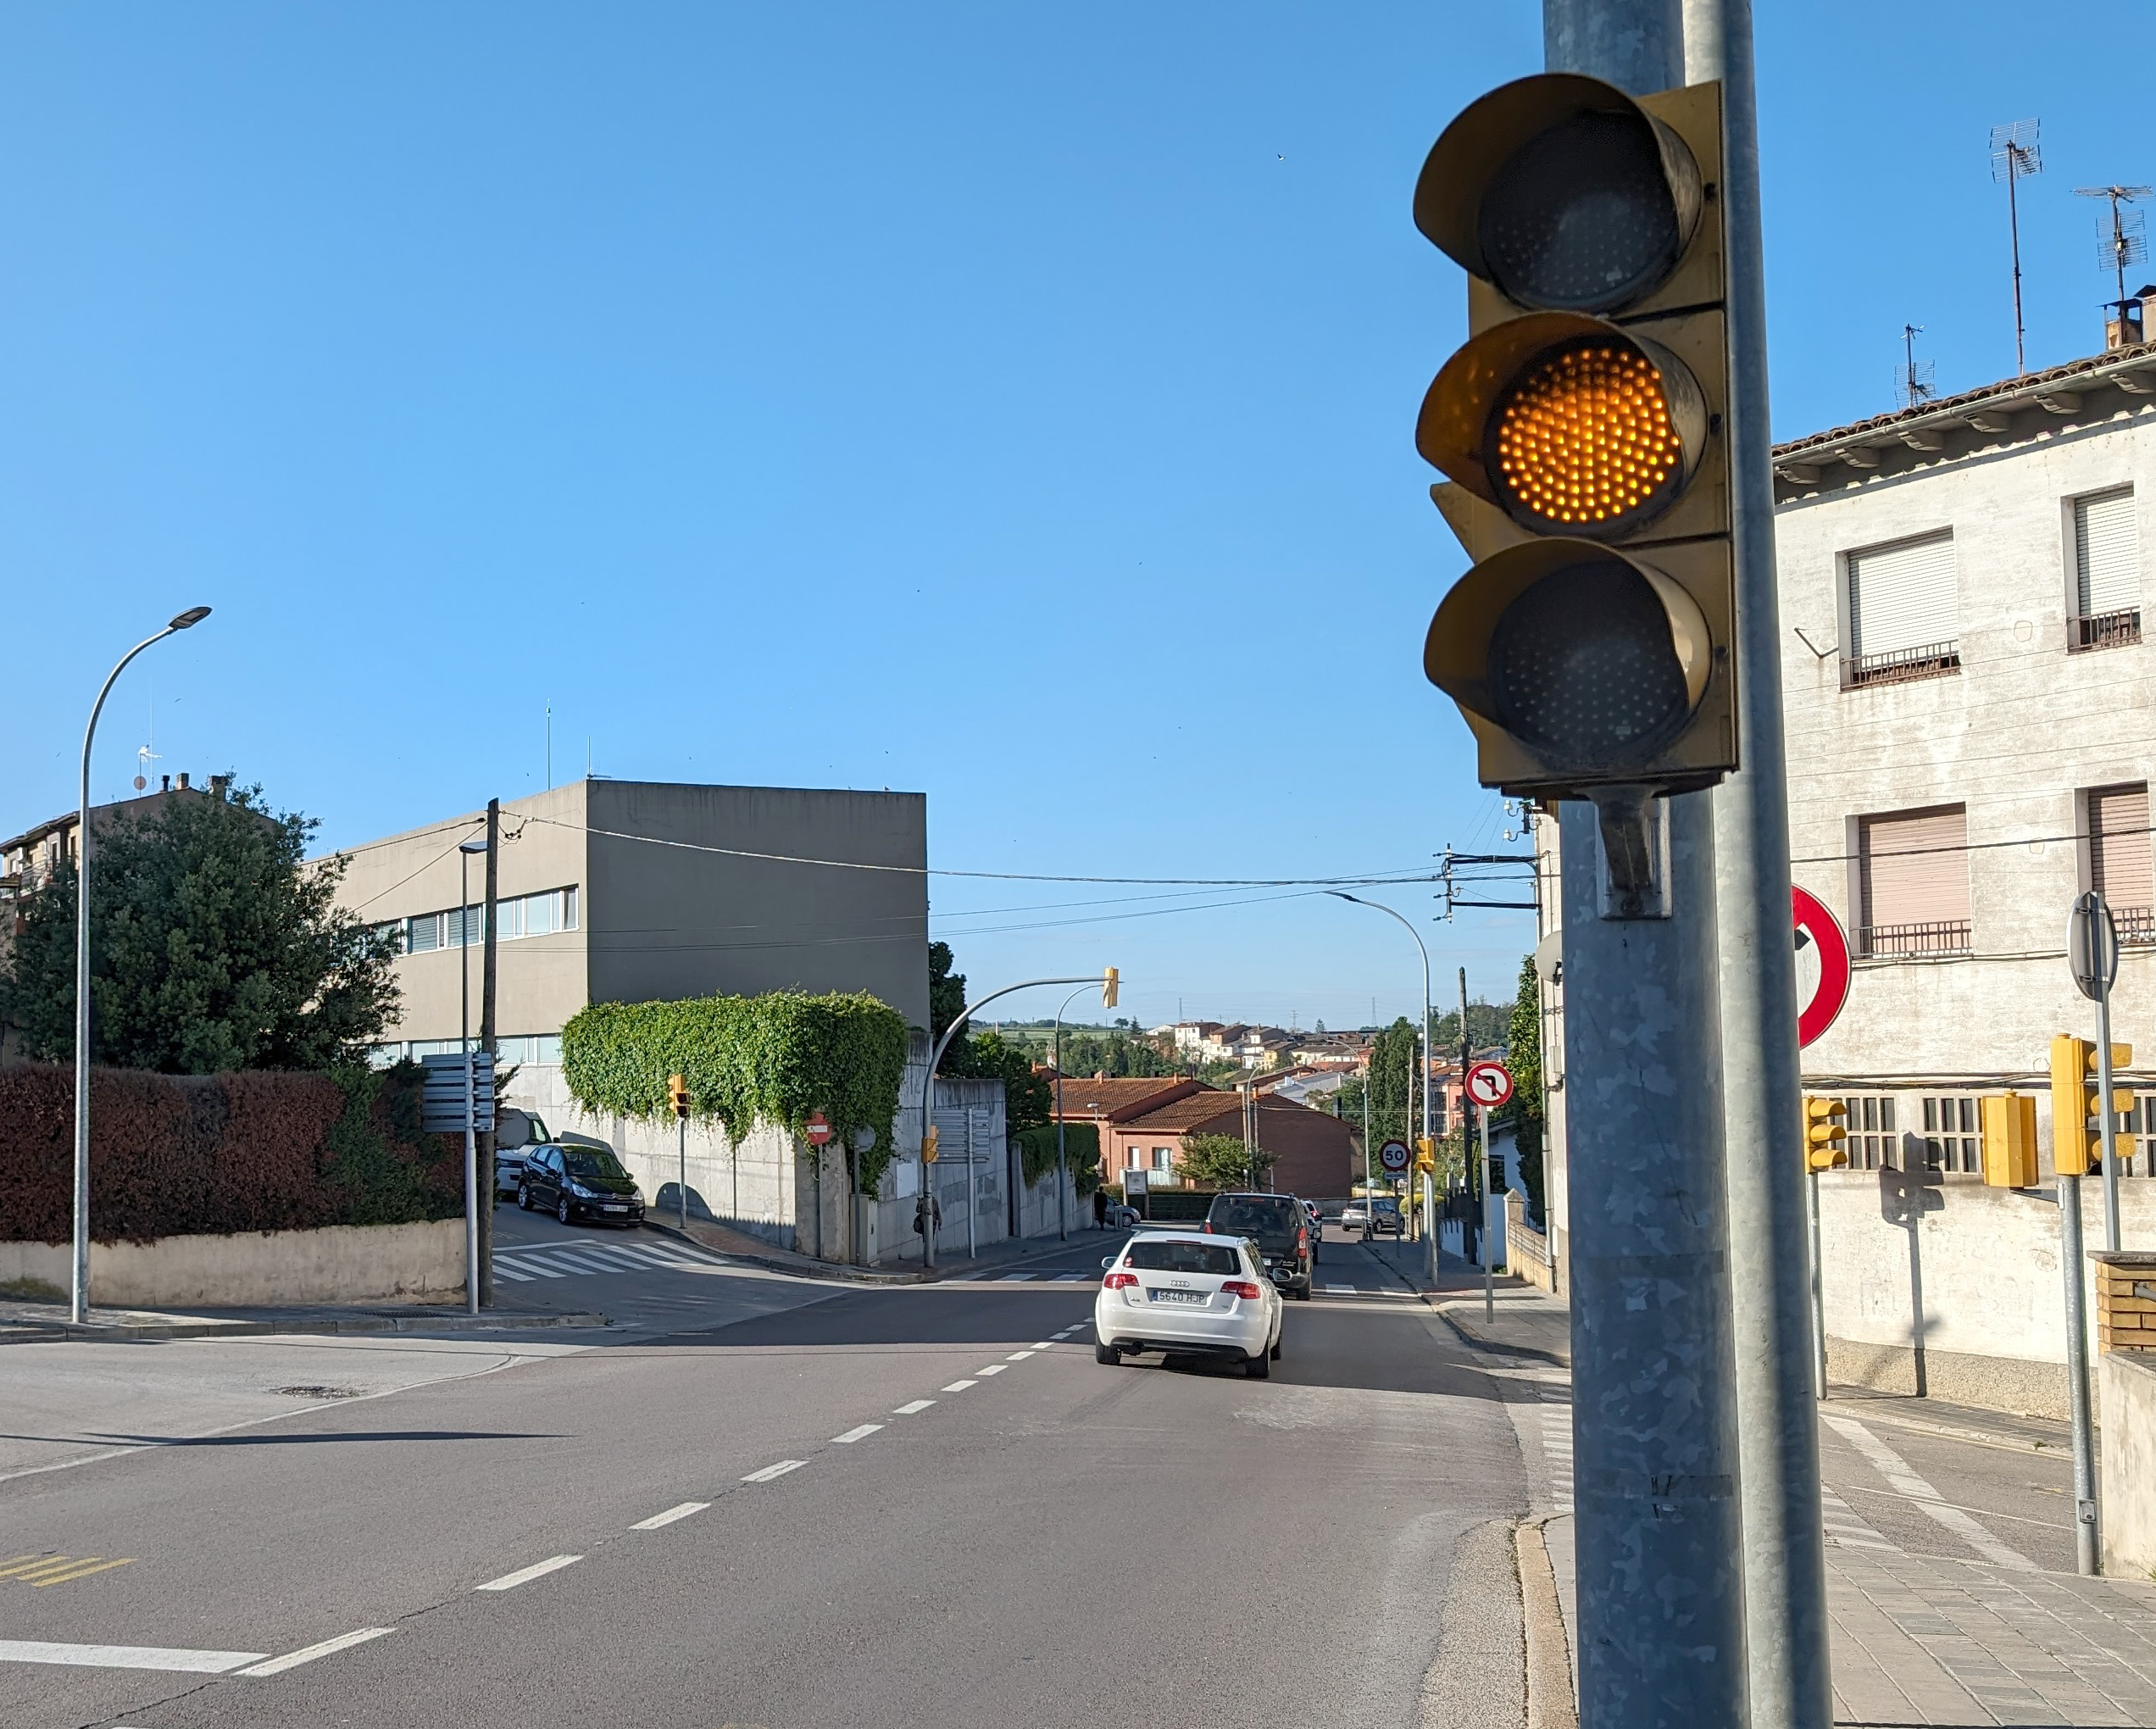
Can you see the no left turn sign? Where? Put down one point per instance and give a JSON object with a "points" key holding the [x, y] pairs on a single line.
{"points": [[1489, 1084]]}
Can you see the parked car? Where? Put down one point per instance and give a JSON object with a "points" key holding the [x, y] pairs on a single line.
{"points": [[1121, 1216], [1385, 1217], [1184, 1293], [517, 1133], [576, 1183], [1354, 1215], [1278, 1227], [508, 1172]]}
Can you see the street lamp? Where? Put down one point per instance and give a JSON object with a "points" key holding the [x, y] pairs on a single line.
{"points": [[1428, 1197], [466, 852], [1107, 986], [79, 1291], [1063, 1173]]}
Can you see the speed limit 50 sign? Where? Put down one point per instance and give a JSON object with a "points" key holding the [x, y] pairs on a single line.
{"points": [[1488, 1084]]}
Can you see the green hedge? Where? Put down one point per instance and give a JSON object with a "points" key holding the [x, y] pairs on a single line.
{"points": [[1080, 1147], [772, 1059]]}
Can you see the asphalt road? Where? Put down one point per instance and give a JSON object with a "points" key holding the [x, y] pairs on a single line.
{"points": [[913, 1505]]}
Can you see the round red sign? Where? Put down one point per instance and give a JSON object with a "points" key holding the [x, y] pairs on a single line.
{"points": [[1489, 1084], [1816, 923], [819, 1130]]}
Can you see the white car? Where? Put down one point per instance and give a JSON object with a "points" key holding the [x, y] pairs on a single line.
{"points": [[1186, 1293]]}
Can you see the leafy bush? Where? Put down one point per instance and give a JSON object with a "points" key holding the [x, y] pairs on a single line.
{"points": [[215, 1154], [772, 1058], [1080, 1150]]}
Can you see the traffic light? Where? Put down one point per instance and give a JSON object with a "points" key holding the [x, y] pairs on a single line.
{"points": [[1109, 985], [2009, 1125], [677, 1093], [1824, 1133], [1582, 431], [2076, 1111], [929, 1142]]}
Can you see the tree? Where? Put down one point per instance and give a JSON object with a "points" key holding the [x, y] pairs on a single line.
{"points": [[1524, 1057], [1395, 1098], [947, 998], [1028, 1098], [214, 947], [1220, 1162]]}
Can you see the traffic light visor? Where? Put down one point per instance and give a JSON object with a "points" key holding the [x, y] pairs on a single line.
{"points": [[1562, 192], [1592, 659], [1567, 424]]}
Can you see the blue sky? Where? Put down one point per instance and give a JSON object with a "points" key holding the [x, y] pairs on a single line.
{"points": [[1009, 402]]}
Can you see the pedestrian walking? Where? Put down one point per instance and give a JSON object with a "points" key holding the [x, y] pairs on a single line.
{"points": [[1100, 1209]]}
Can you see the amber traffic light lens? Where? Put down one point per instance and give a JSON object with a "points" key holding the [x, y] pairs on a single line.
{"points": [[1584, 440], [1582, 666], [1581, 218]]}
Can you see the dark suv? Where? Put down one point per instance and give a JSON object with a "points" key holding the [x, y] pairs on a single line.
{"points": [[1278, 1227]]}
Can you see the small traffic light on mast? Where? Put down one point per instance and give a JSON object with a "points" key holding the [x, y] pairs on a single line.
{"points": [[929, 1144], [677, 1094], [2076, 1106], [2009, 1125], [1582, 431], [1110, 985], [1826, 1132]]}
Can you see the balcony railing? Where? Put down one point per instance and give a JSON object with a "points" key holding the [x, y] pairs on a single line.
{"points": [[1934, 936], [2111, 630], [2136, 925], [1902, 666]]}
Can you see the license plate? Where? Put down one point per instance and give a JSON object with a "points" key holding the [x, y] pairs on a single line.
{"points": [[610, 1209], [1180, 1296]]}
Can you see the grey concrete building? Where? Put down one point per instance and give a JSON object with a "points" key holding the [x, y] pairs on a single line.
{"points": [[634, 891]]}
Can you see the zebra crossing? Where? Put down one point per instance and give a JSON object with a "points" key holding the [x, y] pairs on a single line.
{"points": [[1845, 1528], [1024, 1279], [520, 1263], [1557, 1453]]}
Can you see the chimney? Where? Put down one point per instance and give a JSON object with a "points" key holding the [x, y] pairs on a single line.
{"points": [[183, 780], [167, 787], [2127, 325], [219, 784]]}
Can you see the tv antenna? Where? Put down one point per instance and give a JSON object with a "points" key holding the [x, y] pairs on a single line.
{"points": [[2016, 155], [1915, 385], [2123, 240]]}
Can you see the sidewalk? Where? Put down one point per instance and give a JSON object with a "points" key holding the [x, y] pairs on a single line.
{"points": [[28, 1322], [894, 1269], [1915, 1638]]}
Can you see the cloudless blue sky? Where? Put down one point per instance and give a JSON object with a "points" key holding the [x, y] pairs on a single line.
{"points": [[1009, 402]]}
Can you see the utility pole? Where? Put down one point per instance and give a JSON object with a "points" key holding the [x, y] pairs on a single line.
{"points": [[487, 1044], [1777, 1421], [1470, 1173]]}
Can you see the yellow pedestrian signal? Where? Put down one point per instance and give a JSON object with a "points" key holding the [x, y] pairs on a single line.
{"points": [[929, 1142], [677, 1094], [1824, 1133], [1109, 985], [2009, 1125], [2076, 1109], [1580, 433]]}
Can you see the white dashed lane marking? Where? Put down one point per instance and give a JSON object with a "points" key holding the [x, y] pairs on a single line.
{"points": [[292, 1660], [851, 1436], [670, 1516], [992, 1369], [1014, 1278], [908, 1410], [1020, 1356], [960, 1386], [525, 1576], [127, 1656], [770, 1471]]}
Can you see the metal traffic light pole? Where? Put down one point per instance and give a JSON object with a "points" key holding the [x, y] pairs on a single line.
{"points": [[1660, 1579]]}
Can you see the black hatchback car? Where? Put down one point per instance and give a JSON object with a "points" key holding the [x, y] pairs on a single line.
{"points": [[1278, 1227], [580, 1182]]}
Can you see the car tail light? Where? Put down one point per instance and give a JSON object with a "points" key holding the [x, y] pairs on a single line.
{"points": [[1207, 1227], [1242, 1288], [1118, 1282], [1301, 1241]]}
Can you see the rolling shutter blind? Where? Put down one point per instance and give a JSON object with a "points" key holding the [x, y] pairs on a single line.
{"points": [[1906, 879], [2119, 850], [2106, 555], [1903, 596]]}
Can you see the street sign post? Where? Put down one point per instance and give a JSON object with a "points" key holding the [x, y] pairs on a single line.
{"points": [[1489, 1084], [443, 1097], [1818, 929], [818, 1130], [2092, 957], [2092, 953], [1394, 1156]]}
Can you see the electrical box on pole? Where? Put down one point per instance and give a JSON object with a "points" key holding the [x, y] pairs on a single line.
{"points": [[1581, 429]]}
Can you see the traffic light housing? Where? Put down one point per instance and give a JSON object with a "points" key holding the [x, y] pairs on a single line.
{"points": [[1110, 984], [1826, 1132], [2076, 1109], [1425, 1154], [2009, 1125], [929, 1142], [677, 1094], [1582, 432]]}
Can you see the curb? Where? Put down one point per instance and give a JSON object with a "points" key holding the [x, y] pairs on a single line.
{"points": [[794, 1266], [1551, 1701], [1998, 1439], [497, 1321]]}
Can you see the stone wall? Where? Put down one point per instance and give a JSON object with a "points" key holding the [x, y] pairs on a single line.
{"points": [[264, 1269]]}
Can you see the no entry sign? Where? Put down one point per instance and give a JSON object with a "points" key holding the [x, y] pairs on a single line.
{"points": [[1824, 932], [1489, 1084], [819, 1128]]}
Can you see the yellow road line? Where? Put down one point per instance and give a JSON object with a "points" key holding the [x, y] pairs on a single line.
{"points": [[93, 1566], [29, 1563], [59, 1564]]}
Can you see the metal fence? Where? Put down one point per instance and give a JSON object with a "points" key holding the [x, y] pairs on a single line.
{"points": [[1932, 937], [1902, 666], [2111, 630]]}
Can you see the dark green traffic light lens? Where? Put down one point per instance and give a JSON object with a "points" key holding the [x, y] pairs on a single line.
{"points": [[1581, 216], [1582, 666]]}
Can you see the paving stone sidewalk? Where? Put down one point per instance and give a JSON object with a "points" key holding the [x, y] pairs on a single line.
{"points": [[1915, 1639]]}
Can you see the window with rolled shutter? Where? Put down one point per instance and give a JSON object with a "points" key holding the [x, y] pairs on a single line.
{"points": [[1904, 618], [1913, 869], [2119, 863], [2107, 571]]}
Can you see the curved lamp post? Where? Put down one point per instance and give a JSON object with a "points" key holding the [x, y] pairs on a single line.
{"points": [[928, 1107], [1429, 1192], [79, 1288], [1063, 1171]]}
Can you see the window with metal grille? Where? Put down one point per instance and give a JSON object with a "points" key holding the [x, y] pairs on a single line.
{"points": [[1953, 1140], [1913, 882], [2119, 859], [1873, 1144], [2137, 1143], [1903, 615], [2107, 572]]}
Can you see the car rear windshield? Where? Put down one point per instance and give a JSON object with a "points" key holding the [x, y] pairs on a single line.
{"points": [[1159, 1256], [592, 1161], [1256, 1218]]}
